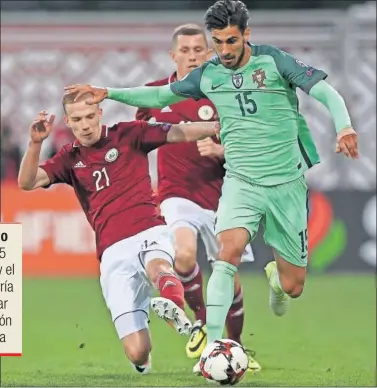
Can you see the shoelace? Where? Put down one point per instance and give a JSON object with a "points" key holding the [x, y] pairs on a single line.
{"points": [[195, 331], [279, 296]]}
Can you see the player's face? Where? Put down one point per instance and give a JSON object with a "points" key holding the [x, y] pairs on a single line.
{"points": [[190, 51], [230, 44], [84, 121]]}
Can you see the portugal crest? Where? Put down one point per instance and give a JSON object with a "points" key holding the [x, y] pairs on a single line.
{"points": [[237, 80], [259, 76]]}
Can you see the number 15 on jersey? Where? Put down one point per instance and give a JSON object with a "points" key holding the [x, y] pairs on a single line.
{"points": [[247, 105]]}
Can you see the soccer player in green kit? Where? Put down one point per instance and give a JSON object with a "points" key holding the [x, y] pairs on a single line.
{"points": [[267, 145]]}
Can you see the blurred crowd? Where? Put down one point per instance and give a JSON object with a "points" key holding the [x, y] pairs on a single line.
{"points": [[12, 150], [12, 147], [10, 153]]}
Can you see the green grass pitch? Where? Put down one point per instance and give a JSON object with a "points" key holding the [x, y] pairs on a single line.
{"points": [[328, 338]]}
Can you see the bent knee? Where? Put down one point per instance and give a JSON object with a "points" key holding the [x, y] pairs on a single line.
{"points": [[137, 346], [137, 355], [293, 288], [232, 244], [231, 253], [185, 257]]}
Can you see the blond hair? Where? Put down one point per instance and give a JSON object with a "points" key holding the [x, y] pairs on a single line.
{"points": [[70, 98]]}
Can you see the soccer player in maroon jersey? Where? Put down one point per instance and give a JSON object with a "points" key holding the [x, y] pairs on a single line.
{"points": [[108, 170], [190, 176]]}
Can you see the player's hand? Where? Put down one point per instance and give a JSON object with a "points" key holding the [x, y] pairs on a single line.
{"points": [[217, 128], [347, 143], [99, 94], [207, 147], [41, 127]]}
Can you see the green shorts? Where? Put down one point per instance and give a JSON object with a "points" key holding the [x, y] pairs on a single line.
{"points": [[282, 209]]}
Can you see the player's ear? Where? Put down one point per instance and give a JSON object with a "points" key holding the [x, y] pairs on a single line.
{"points": [[172, 55], [100, 112], [66, 122], [246, 34]]}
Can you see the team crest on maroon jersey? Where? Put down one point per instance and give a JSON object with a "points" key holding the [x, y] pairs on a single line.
{"points": [[205, 112], [237, 80], [259, 76], [111, 155]]}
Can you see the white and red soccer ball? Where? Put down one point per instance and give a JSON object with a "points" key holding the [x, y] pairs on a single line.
{"points": [[224, 361]]}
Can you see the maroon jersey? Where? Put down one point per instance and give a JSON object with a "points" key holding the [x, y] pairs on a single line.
{"points": [[111, 179], [182, 172]]}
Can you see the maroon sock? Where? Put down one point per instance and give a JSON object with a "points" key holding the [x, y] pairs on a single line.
{"points": [[170, 287], [193, 285], [235, 317]]}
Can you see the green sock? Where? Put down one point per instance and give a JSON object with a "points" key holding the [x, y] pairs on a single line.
{"points": [[220, 293]]}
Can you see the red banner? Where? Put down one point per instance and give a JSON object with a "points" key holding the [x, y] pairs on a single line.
{"points": [[57, 238]]}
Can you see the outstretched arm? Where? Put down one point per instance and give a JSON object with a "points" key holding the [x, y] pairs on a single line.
{"points": [[141, 96], [187, 132], [149, 136], [144, 96]]}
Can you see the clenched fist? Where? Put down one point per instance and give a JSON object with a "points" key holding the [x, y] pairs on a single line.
{"points": [[207, 147]]}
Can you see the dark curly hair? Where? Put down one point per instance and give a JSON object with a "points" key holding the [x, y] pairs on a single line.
{"points": [[226, 13]]}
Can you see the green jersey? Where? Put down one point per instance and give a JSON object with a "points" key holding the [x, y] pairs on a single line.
{"points": [[266, 140]]}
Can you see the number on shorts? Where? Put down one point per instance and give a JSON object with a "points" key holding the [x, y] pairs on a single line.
{"points": [[147, 244], [304, 242]]}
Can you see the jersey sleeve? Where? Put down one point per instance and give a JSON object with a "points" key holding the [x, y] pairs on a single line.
{"points": [[144, 136], [189, 86], [297, 72], [143, 113], [56, 168]]}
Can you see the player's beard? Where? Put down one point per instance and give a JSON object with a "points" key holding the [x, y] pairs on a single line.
{"points": [[240, 59]]}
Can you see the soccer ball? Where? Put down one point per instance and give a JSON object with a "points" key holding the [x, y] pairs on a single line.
{"points": [[224, 361]]}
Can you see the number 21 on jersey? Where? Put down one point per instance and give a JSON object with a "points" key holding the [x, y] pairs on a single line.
{"points": [[102, 179]]}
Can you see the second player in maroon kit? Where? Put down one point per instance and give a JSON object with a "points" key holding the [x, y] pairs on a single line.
{"points": [[182, 171], [190, 176], [108, 170]]}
